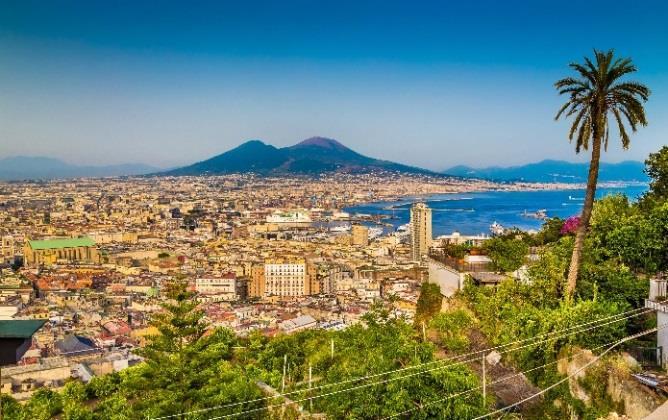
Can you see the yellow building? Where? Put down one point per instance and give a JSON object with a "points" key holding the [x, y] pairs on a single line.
{"points": [[360, 235], [284, 278], [53, 251], [7, 248], [256, 285], [420, 230]]}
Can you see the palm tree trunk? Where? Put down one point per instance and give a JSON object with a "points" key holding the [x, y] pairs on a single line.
{"points": [[586, 215]]}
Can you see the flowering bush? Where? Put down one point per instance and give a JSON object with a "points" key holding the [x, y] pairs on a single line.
{"points": [[570, 225]]}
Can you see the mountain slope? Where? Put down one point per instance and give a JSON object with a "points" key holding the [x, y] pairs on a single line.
{"points": [[252, 156], [554, 171], [25, 167], [311, 156]]}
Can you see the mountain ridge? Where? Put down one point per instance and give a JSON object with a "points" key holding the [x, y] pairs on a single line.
{"points": [[550, 170], [16, 168], [310, 156]]}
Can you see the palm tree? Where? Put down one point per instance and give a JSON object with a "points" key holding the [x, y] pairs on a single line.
{"points": [[596, 94]]}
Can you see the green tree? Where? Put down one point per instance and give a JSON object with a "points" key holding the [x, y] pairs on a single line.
{"points": [[452, 328], [387, 344], [11, 409], [74, 396], [506, 254], [43, 404], [429, 302], [595, 95], [550, 231], [187, 365], [621, 231], [656, 167]]}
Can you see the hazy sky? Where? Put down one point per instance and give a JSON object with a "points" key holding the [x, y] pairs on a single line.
{"points": [[424, 83]]}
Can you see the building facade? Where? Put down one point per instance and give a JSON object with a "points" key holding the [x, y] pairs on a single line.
{"points": [[420, 231], [256, 285], [54, 251], [289, 278], [7, 249], [360, 235], [225, 287]]}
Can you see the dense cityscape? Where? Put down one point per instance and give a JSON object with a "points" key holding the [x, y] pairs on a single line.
{"points": [[306, 210], [88, 263]]}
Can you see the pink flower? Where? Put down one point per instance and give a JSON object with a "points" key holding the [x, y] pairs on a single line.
{"points": [[570, 225]]}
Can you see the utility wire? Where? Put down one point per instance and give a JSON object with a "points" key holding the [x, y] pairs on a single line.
{"points": [[556, 384], [406, 376], [506, 378], [635, 312]]}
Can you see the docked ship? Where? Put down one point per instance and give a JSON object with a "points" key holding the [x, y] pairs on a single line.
{"points": [[290, 217], [403, 230], [497, 229], [341, 228]]}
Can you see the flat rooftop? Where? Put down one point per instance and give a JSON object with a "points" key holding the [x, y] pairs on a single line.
{"points": [[62, 243], [20, 328]]}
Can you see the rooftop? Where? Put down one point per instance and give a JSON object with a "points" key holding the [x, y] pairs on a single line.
{"points": [[20, 328], [62, 243]]}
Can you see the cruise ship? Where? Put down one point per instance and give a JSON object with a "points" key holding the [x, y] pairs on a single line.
{"points": [[289, 217], [341, 228]]}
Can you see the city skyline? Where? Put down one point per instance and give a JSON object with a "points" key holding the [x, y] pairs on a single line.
{"points": [[353, 209], [96, 85]]}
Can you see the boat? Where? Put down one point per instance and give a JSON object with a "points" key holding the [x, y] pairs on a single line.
{"points": [[340, 215], [570, 197], [497, 229], [403, 231], [539, 214]]}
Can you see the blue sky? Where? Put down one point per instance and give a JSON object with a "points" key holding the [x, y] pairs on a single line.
{"points": [[433, 84]]}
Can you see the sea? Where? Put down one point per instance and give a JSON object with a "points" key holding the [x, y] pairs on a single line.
{"points": [[473, 213]]}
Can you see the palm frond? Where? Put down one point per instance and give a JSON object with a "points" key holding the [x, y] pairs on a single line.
{"points": [[626, 141], [576, 122], [596, 91]]}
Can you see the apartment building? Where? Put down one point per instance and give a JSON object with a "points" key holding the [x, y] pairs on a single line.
{"points": [[288, 277], [225, 286], [420, 230], [7, 249]]}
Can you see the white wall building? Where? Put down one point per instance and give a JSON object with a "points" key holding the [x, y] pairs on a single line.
{"points": [[286, 279], [225, 287]]}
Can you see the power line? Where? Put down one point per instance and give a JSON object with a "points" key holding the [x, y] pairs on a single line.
{"points": [[556, 384], [506, 378], [403, 377], [625, 315]]}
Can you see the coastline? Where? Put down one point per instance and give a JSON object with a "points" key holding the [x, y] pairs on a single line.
{"points": [[472, 212]]}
